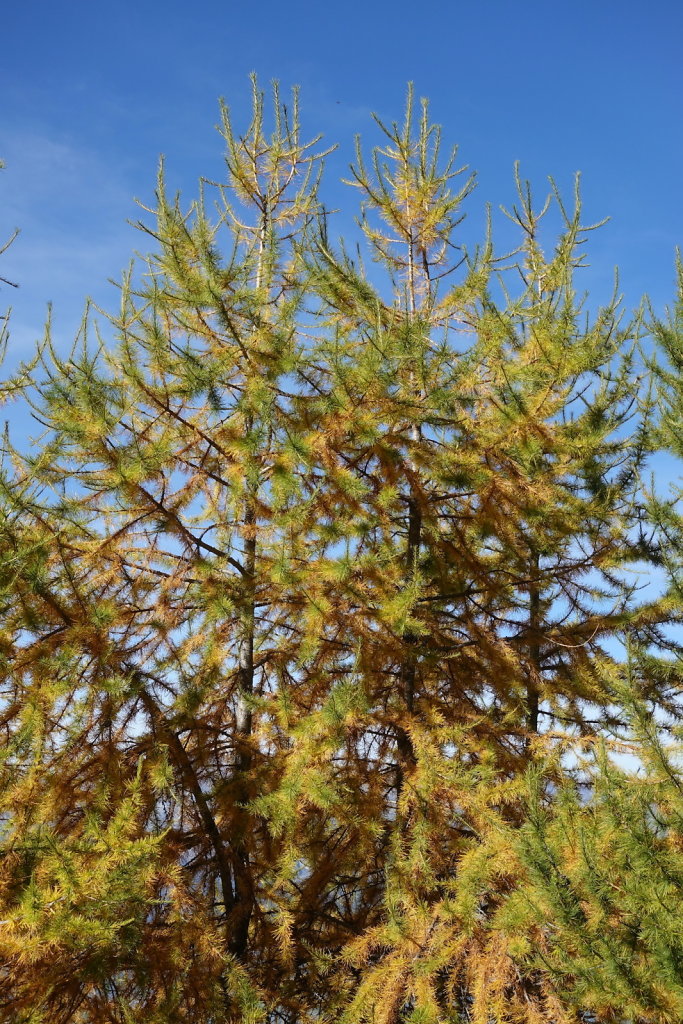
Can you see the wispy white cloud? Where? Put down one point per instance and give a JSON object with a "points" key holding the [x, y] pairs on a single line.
{"points": [[71, 208]]}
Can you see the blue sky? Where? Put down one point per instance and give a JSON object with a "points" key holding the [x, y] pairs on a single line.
{"points": [[92, 94]]}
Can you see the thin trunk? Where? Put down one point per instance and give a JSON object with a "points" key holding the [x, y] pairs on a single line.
{"points": [[409, 666], [229, 889], [185, 767], [533, 683], [245, 657], [244, 886], [414, 540], [244, 889]]}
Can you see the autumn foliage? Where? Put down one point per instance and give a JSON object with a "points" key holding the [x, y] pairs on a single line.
{"points": [[321, 619]]}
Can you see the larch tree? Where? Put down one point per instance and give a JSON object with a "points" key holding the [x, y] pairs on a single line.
{"points": [[494, 433], [305, 574], [603, 876], [601, 856]]}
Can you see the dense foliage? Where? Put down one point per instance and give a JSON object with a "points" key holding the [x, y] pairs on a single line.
{"points": [[321, 621]]}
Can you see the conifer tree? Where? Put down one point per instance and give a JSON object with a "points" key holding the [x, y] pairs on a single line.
{"points": [[512, 490], [602, 894], [663, 508], [303, 574], [602, 860], [168, 461]]}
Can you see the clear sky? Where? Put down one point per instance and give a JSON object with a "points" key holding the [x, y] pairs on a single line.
{"points": [[92, 94]]}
